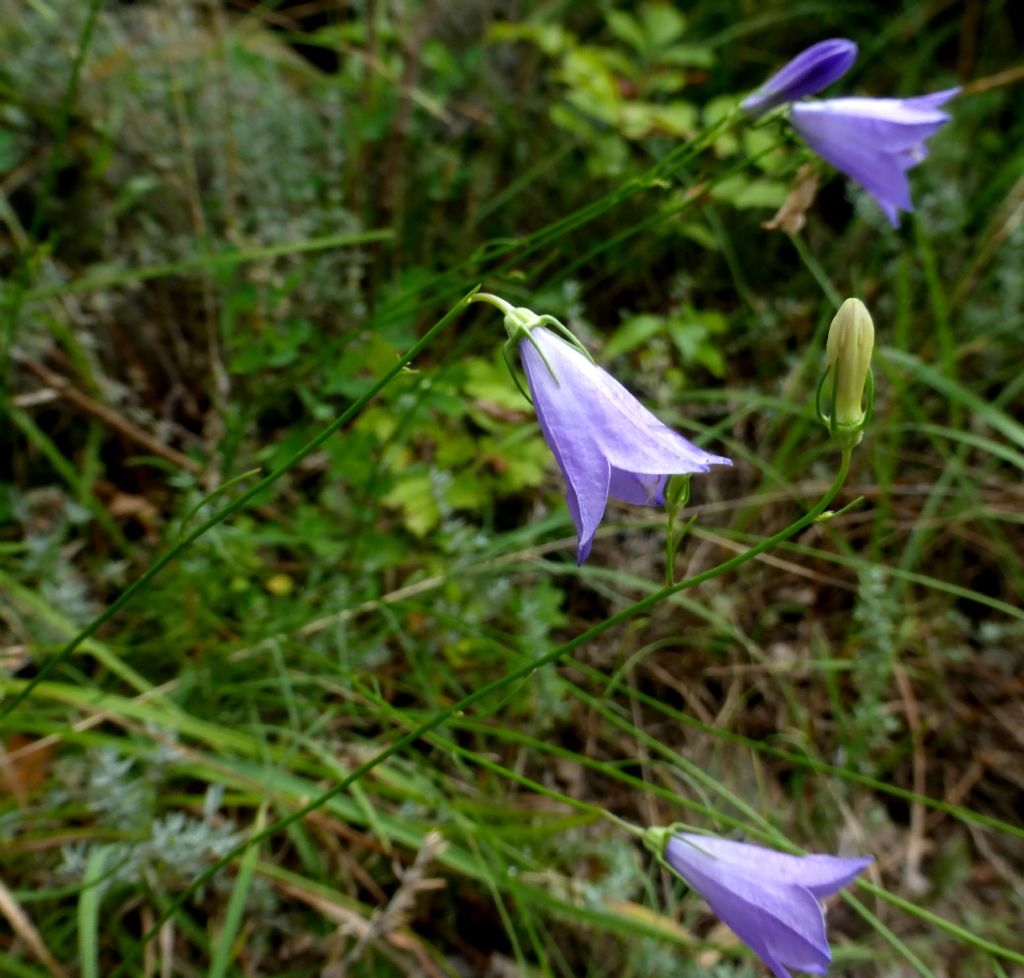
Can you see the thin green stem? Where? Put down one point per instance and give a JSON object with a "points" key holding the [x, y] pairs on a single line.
{"points": [[505, 307], [908, 955], [962, 933], [499, 257], [246, 497], [483, 761], [498, 685]]}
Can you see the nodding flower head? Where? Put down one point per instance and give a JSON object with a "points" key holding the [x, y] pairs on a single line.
{"points": [[770, 899], [874, 141], [605, 441]]}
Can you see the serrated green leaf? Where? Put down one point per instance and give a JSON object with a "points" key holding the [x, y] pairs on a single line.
{"points": [[526, 465], [743, 193], [676, 119], [489, 381], [414, 496], [467, 491], [550, 38]]}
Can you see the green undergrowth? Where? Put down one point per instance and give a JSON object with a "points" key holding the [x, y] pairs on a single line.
{"points": [[223, 225]]}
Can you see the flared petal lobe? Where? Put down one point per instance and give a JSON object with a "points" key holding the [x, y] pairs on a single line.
{"points": [[874, 141], [768, 898], [604, 440], [807, 74]]}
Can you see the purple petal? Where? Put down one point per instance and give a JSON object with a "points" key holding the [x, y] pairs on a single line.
{"points": [[770, 899], [631, 438], [821, 874], [873, 141], [782, 923], [640, 490], [933, 100], [604, 440], [565, 425], [888, 123], [808, 73]]}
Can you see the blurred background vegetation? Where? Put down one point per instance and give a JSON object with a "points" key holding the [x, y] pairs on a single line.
{"points": [[220, 223]]}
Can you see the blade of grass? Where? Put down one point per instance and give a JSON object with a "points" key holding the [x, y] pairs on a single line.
{"points": [[89, 913], [224, 947]]}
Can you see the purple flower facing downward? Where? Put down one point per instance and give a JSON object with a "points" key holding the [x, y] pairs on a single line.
{"points": [[874, 140], [605, 441], [807, 74], [770, 899]]}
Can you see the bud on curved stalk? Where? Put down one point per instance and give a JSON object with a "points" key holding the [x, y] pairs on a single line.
{"points": [[851, 339]]}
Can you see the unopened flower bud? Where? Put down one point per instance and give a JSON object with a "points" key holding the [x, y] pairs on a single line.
{"points": [[807, 74], [851, 338]]}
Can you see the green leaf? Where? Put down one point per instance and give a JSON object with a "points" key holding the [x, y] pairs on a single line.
{"points": [[89, 912], [415, 498], [678, 119], [225, 947], [489, 381], [632, 333], [627, 29], [744, 193], [467, 492], [663, 24], [550, 38], [525, 462], [688, 56]]}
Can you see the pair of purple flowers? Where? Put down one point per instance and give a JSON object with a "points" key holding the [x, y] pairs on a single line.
{"points": [[874, 141], [606, 443]]}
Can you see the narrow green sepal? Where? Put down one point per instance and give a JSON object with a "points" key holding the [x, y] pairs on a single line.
{"points": [[822, 416], [847, 435], [506, 348], [519, 325]]}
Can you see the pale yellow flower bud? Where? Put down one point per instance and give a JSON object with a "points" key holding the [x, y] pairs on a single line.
{"points": [[851, 338]]}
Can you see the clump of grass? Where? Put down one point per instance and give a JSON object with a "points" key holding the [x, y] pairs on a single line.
{"points": [[215, 277]]}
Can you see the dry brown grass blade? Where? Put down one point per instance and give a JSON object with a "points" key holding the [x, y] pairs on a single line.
{"points": [[22, 925]]}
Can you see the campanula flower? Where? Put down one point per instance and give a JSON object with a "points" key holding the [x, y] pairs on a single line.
{"points": [[769, 898], [605, 441], [807, 74], [874, 141]]}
